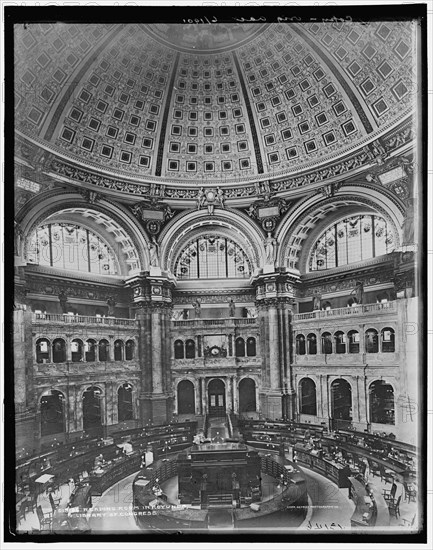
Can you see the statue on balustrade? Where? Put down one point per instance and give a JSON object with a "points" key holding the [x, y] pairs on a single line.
{"points": [[197, 308], [63, 299], [111, 304], [232, 307], [317, 298], [358, 291], [251, 312]]}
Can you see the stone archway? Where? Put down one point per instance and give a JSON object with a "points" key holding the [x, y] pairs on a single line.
{"points": [[341, 402], [216, 397], [92, 410], [247, 395], [185, 397]]}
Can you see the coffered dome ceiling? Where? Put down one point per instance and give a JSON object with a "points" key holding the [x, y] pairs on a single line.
{"points": [[211, 103]]}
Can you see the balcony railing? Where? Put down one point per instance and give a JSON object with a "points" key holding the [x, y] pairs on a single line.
{"points": [[81, 319], [215, 322], [386, 307]]}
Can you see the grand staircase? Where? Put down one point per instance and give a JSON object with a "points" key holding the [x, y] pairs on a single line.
{"points": [[216, 500]]}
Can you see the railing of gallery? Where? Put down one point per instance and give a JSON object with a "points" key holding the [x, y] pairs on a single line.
{"points": [[215, 322], [386, 307], [82, 319]]}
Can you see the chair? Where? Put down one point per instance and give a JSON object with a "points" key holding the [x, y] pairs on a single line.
{"points": [[29, 504], [386, 476], [394, 507], [374, 469], [409, 494], [54, 502], [45, 520], [408, 523], [20, 515], [389, 495]]}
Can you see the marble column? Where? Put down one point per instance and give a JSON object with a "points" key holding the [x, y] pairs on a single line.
{"points": [[157, 382], [167, 350], [143, 317], [234, 389], [355, 399], [274, 367], [72, 406], [282, 343], [175, 401], [258, 407], [197, 397], [362, 397], [229, 394], [68, 344], [362, 341], [326, 405], [288, 337], [79, 406], [204, 396], [264, 334], [20, 320]]}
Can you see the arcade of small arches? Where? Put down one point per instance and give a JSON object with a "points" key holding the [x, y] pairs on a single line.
{"points": [[380, 400], [77, 350], [346, 342], [217, 395], [188, 350], [53, 409]]}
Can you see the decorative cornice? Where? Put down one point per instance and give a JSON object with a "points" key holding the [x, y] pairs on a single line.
{"points": [[332, 169], [351, 269], [42, 272], [213, 297]]}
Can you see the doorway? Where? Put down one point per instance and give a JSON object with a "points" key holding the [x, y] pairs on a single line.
{"points": [[247, 395], [217, 398], [341, 402], [185, 397], [92, 419]]}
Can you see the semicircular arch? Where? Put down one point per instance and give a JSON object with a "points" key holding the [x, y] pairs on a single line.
{"points": [[114, 223], [235, 225], [303, 223]]}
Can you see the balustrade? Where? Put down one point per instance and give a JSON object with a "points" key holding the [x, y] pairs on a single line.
{"points": [[191, 323], [82, 319], [386, 307]]}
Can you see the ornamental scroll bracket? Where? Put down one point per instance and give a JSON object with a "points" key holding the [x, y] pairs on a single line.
{"points": [[268, 212], [91, 196], [396, 175], [210, 199], [153, 213], [330, 190]]}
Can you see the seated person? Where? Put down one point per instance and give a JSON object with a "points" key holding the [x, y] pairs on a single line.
{"points": [[156, 489], [99, 461]]}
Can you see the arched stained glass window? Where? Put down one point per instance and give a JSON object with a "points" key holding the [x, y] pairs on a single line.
{"points": [[69, 246], [351, 240], [212, 257]]}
